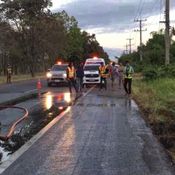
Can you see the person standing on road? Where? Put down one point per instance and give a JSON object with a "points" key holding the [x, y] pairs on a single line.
{"points": [[80, 75], [9, 73], [103, 71], [71, 77], [113, 73], [128, 71], [120, 75]]}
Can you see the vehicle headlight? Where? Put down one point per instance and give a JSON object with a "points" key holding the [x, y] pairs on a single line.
{"points": [[49, 75], [64, 75]]}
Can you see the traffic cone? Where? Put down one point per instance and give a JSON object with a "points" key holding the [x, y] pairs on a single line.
{"points": [[39, 87], [39, 84]]}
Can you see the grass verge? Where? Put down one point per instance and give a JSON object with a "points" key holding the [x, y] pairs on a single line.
{"points": [[20, 77], [156, 98]]}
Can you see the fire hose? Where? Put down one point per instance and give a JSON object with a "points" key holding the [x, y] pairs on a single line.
{"points": [[12, 128]]}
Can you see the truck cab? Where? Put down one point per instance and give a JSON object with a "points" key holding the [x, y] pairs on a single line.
{"points": [[91, 70]]}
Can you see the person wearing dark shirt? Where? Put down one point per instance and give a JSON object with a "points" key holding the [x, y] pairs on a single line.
{"points": [[80, 75]]}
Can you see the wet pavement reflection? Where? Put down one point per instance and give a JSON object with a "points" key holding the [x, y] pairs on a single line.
{"points": [[60, 99], [43, 110]]}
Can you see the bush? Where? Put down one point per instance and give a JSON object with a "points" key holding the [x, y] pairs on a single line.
{"points": [[138, 67], [150, 74], [155, 72]]}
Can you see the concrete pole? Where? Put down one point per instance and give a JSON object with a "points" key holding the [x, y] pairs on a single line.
{"points": [[141, 55], [130, 50], [167, 32], [140, 30]]}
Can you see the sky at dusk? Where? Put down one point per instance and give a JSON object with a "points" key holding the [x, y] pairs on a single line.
{"points": [[112, 21]]}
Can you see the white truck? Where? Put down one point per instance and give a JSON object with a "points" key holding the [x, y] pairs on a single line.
{"points": [[57, 74], [91, 70]]}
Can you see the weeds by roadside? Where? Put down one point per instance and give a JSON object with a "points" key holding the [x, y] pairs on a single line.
{"points": [[157, 100]]}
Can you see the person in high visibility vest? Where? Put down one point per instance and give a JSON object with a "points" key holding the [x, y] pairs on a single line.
{"points": [[128, 71], [9, 73], [71, 77], [103, 71]]}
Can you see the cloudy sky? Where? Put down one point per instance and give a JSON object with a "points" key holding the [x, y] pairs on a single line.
{"points": [[113, 20]]}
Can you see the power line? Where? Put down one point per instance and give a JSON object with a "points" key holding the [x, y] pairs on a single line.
{"points": [[156, 4], [141, 9], [138, 9], [160, 15]]}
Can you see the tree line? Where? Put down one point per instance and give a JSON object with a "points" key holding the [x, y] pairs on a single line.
{"points": [[153, 52], [33, 38]]}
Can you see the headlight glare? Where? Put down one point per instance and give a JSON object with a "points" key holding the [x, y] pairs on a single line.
{"points": [[49, 75]]}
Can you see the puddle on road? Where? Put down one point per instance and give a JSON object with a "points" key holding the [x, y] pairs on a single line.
{"points": [[50, 105]]}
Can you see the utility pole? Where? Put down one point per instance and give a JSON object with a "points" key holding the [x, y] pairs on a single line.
{"points": [[130, 39], [140, 30], [126, 49], [167, 31]]}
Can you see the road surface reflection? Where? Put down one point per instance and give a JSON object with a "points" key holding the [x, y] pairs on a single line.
{"points": [[60, 100]]}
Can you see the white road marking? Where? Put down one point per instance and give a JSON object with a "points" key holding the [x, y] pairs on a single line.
{"points": [[35, 138], [33, 90], [88, 91]]}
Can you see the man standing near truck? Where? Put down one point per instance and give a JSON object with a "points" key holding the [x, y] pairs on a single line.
{"points": [[103, 71], [71, 77], [80, 75]]}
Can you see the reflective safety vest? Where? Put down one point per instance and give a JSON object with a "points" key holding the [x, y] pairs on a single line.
{"points": [[9, 70], [71, 72], [128, 72], [102, 70]]}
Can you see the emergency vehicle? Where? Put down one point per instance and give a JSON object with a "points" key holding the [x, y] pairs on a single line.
{"points": [[91, 70]]}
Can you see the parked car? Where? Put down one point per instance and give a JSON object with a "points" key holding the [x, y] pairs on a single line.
{"points": [[57, 74]]}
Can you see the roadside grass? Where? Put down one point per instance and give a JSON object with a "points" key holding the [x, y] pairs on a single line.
{"points": [[21, 77], [156, 98]]}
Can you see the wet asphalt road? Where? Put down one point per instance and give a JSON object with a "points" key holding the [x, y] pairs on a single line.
{"points": [[18, 87], [103, 134], [9, 116]]}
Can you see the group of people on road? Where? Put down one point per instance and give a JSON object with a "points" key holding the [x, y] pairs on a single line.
{"points": [[120, 72], [123, 73], [75, 76]]}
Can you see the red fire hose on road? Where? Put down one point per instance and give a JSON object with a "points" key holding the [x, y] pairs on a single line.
{"points": [[12, 128]]}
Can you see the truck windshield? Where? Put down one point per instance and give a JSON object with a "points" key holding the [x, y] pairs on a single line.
{"points": [[59, 68], [95, 67]]}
